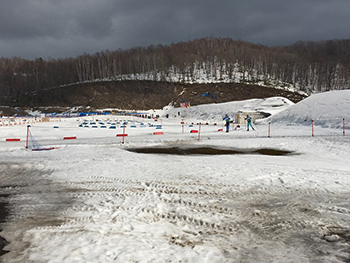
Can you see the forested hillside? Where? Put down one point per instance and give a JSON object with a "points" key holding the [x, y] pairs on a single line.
{"points": [[304, 66], [143, 95]]}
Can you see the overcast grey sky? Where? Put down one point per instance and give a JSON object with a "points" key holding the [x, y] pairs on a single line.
{"points": [[67, 28]]}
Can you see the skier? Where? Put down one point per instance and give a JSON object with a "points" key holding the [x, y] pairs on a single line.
{"points": [[227, 120], [249, 122]]}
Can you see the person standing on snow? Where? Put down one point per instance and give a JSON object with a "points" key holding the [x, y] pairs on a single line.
{"points": [[249, 122], [227, 120]]}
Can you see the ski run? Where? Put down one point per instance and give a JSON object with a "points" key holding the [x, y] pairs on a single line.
{"points": [[94, 199]]}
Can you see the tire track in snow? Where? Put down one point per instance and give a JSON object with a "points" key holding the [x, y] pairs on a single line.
{"points": [[243, 207], [208, 210]]}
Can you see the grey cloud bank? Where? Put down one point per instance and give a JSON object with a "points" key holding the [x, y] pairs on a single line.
{"points": [[65, 28]]}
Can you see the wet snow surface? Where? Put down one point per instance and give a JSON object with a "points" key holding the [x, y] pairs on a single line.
{"points": [[92, 200], [207, 151]]}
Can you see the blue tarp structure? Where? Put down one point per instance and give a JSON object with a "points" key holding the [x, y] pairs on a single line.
{"points": [[207, 93], [94, 113]]}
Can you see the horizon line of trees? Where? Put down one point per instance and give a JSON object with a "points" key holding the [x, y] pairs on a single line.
{"points": [[307, 66]]}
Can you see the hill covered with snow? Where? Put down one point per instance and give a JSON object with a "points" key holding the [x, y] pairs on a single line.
{"points": [[325, 109], [216, 111]]}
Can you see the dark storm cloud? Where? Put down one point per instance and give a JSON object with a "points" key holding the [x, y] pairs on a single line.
{"points": [[64, 28]]}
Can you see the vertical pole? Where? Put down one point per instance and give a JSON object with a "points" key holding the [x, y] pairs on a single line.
{"points": [[199, 132], [312, 128], [27, 136], [123, 133], [343, 127], [269, 132]]}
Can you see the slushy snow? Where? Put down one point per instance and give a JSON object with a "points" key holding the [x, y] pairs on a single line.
{"points": [[92, 201]]}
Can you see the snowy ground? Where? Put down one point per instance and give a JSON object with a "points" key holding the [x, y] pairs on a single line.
{"points": [[91, 200]]}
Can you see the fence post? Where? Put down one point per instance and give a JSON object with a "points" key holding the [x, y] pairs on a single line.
{"points": [[123, 133], [199, 131], [28, 126], [343, 127]]}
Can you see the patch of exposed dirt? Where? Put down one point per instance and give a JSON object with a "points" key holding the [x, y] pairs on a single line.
{"points": [[149, 94]]}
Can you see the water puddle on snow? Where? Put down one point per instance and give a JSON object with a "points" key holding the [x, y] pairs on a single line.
{"points": [[177, 150]]}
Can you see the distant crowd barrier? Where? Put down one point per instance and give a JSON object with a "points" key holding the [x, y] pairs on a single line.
{"points": [[14, 121]]}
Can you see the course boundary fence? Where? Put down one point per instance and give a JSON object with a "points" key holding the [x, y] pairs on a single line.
{"points": [[195, 129]]}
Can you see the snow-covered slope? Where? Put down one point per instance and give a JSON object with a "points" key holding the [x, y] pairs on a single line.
{"points": [[93, 201], [216, 111], [326, 109]]}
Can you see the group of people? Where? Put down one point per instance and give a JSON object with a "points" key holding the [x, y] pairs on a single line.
{"points": [[228, 120]]}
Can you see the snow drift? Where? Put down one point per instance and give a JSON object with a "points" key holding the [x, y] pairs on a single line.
{"points": [[326, 109]]}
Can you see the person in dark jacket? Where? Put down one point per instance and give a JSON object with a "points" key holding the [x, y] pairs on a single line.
{"points": [[227, 124]]}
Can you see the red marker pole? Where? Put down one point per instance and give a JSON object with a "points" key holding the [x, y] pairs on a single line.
{"points": [[343, 127], [183, 124], [27, 136], [199, 132], [269, 132], [123, 133], [312, 128]]}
